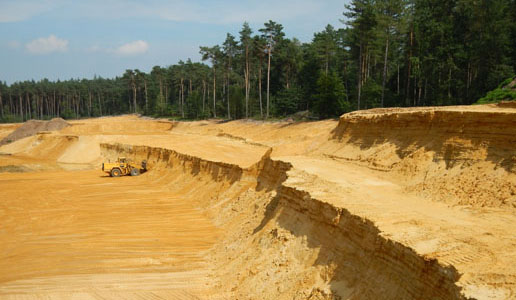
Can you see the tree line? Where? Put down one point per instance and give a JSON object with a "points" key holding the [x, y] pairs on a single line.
{"points": [[387, 53]]}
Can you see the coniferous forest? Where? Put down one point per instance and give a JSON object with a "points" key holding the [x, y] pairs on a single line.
{"points": [[386, 53]]}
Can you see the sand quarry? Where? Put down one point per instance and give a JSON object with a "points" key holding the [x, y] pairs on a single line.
{"points": [[381, 204]]}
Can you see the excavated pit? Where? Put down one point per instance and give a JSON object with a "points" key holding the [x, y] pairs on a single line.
{"points": [[384, 204], [298, 240]]}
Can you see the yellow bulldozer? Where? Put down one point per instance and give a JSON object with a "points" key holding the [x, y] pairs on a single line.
{"points": [[124, 167]]}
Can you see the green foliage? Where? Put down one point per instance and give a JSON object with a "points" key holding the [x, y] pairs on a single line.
{"points": [[497, 96], [330, 100], [193, 105], [497, 74], [286, 101], [506, 82], [408, 53], [371, 94], [68, 114], [10, 118], [501, 93]]}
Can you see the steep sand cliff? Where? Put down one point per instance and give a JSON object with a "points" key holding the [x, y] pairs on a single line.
{"points": [[281, 243], [383, 204], [460, 155]]}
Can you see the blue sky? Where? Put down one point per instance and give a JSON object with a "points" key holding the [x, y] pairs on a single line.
{"points": [[62, 39]]}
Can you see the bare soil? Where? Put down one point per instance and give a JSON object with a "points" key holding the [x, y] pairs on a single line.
{"points": [[32, 127], [394, 204]]}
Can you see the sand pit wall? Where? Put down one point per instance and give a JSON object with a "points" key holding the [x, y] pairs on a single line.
{"points": [[117, 126], [281, 243], [32, 127], [461, 157], [60, 148], [43, 145]]}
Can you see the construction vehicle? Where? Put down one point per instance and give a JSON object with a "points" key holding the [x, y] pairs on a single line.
{"points": [[124, 167]]}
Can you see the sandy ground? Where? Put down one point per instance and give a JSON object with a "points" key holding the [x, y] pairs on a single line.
{"points": [[68, 230], [476, 242], [6, 129], [82, 231]]}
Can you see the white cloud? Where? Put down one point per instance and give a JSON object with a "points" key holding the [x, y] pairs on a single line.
{"points": [[13, 44], [93, 49], [238, 12], [20, 10], [47, 45], [207, 12], [132, 48]]}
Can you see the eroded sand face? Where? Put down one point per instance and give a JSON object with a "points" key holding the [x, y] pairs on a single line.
{"points": [[382, 204]]}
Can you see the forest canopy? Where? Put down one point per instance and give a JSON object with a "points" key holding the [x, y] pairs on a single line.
{"points": [[387, 53]]}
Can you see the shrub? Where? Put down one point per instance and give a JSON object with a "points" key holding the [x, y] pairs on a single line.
{"points": [[500, 93]]}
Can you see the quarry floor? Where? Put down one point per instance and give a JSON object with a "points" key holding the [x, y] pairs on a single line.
{"points": [[69, 234], [69, 231]]}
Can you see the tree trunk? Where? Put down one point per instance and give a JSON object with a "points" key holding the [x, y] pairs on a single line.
{"points": [[36, 111], [54, 108], [133, 83], [100, 103], [407, 90], [203, 95], [359, 76], [415, 90], [367, 59], [419, 94], [229, 112], [467, 81], [424, 97], [246, 81], [1, 105], [29, 113], [134, 98], [10, 104], [449, 83], [130, 105], [77, 106], [385, 68], [182, 97], [39, 106], [179, 96], [21, 106], [89, 104], [327, 63], [160, 90], [48, 104], [260, 89], [345, 72], [146, 95], [398, 91], [288, 76], [268, 82], [214, 91], [166, 94]]}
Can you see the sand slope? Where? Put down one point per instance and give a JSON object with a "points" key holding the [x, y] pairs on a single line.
{"points": [[392, 204]]}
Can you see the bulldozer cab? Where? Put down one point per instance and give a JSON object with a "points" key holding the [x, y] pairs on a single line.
{"points": [[122, 160]]}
